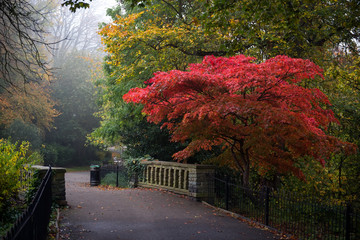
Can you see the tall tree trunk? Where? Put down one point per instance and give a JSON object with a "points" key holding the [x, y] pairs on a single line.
{"points": [[242, 161], [246, 174]]}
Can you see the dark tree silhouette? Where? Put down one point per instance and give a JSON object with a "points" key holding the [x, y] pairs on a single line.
{"points": [[22, 43]]}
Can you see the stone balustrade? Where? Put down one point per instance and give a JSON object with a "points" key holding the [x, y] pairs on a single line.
{"points": [[194, 180]]}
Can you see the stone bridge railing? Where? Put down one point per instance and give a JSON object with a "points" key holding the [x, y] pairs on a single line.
{"points": [[193, 180]]}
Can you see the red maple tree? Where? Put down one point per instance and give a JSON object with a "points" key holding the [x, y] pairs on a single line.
{"points": [[257, 112]]}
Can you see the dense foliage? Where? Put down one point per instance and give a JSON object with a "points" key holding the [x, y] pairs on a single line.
{"points": [[15, 160], [33, 105], [156, 35], [257, 113], [133, 57]]}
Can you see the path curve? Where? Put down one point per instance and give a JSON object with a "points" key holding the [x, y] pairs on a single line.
{"points": [[138, 214]]}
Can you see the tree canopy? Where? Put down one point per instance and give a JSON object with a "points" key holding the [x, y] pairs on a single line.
{"points": [[257, 113], [162, 35], [33, 105], [140, 42]]}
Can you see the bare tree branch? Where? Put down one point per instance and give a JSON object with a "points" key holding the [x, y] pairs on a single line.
{"points": [[22, 43]]}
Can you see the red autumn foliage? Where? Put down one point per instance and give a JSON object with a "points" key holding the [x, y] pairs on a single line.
{"points": [[257, 113]]}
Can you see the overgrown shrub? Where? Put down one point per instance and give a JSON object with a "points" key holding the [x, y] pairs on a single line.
{"points": [[134, 165], [327, 184], [15, 161], [34, 184]]}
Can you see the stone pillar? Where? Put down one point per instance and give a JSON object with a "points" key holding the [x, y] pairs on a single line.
{"points": [[176, 176], [186, 179], [148, 176], [162, 173], [201, 182], [157, 176], [134, 180], [58, 182], [171, 177], [151, 176]]}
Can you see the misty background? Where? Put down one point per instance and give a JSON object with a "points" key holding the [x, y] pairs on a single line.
{"points": [[75, 56]]}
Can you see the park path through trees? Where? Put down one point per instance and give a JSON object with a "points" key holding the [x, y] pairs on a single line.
{"points": [[136, 214]]}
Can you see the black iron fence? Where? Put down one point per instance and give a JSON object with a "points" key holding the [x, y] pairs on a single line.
{"points": [[33, 223], [302, 218], [115, 175]]}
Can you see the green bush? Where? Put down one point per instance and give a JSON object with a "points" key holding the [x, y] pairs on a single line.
{"points": [[134, 166], [15, 161]]}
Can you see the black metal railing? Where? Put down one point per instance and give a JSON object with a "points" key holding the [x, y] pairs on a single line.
{"points": [[33, 223], [289, 213], [114, 174]]}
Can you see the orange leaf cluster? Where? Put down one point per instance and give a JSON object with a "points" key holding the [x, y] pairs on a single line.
{"points": [[32, 105]]}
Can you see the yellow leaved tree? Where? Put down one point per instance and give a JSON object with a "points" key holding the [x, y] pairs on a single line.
{"points": [[30, 105]]}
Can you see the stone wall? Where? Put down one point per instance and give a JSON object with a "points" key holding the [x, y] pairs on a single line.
{"points": [[201, 182], [58, 182]]}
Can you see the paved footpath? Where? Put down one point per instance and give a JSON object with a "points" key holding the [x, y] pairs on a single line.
{"points": [[138, 214]]}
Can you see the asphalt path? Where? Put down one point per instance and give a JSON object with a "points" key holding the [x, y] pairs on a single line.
{"points": [[138, 214]]}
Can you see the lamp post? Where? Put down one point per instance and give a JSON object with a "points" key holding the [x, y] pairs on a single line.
{"points": [[117, 161]]}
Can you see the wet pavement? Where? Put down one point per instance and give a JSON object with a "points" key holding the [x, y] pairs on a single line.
{"points": [[137, 214]]}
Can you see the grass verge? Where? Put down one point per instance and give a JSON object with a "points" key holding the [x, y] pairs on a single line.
{"points": [[78, 169]]}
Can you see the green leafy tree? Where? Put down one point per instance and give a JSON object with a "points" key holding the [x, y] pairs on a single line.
{"points": [[20, 131], [294, 28], [138, 43], [343, 88]]}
